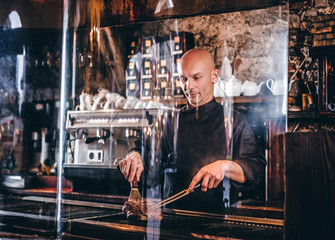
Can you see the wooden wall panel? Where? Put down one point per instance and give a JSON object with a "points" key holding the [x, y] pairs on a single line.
{"points": [[310, 186]]}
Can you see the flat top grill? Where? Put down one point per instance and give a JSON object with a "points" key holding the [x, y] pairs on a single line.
{"points": [[99, 220]]}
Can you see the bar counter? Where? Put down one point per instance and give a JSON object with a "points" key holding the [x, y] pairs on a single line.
{"points": [[30, 213]]}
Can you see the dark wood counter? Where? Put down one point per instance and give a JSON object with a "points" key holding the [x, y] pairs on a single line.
{"points": [[28, 213]]}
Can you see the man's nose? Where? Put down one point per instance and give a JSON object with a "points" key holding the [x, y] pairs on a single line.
{"points": [[189, 83]]}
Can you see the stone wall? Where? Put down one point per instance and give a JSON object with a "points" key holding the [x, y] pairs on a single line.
{"points": [[254, 41], [300, 37]]}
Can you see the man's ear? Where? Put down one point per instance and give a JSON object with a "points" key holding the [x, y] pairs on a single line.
{"points": [[215, 75]]}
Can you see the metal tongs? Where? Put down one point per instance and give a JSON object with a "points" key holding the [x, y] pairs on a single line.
{"points": [[173, 198]]}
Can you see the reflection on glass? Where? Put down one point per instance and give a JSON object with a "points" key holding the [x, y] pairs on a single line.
{"points": [[122, 93]]}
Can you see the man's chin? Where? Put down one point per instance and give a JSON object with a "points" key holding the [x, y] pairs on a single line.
{"points": [[194, 102]]}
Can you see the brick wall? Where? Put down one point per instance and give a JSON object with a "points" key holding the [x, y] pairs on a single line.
{"points": [[312, 23]]}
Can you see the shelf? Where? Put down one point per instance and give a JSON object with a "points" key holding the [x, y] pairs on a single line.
{"points": [[322, 51], [302, 114], [250, 99], [311, 115], [238, 100], [327, 114]]}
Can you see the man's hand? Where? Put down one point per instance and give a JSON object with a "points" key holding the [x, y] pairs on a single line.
{"points": [[212, 174], [132, 166]]}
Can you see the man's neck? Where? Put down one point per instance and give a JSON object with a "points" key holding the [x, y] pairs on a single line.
{"points": [[190, 105]]}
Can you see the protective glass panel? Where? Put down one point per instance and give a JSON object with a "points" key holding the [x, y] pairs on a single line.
{"points": [[116, 86]]}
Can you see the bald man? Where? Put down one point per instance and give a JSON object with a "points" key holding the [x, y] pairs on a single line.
{"points": [[201, 145]]}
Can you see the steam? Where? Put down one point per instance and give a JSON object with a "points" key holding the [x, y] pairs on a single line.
{"points": [[226, 70]]}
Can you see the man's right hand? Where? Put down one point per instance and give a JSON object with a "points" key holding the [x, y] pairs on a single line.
{"points": [[132, 166]]}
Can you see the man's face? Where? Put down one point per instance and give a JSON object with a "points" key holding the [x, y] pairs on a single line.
{"points": [[196, 78]]}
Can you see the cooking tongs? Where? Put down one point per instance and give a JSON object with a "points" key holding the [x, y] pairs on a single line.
{"points": [[173, 198]]}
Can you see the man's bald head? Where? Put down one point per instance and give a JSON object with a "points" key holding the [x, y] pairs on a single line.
{"points": [[198, 75], [201, 55]]}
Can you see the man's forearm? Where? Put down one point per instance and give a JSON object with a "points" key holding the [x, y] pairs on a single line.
{"points": [[233, 171]]}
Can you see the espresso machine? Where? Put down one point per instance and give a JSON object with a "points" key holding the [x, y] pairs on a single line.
{"points": [[98, 141]]}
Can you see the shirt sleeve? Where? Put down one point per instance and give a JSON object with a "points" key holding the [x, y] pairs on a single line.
{"points": [[247, 153], [156, 149]]}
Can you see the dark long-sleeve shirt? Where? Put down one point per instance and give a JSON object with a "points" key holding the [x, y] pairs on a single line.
{"points": [[197, 138]]}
